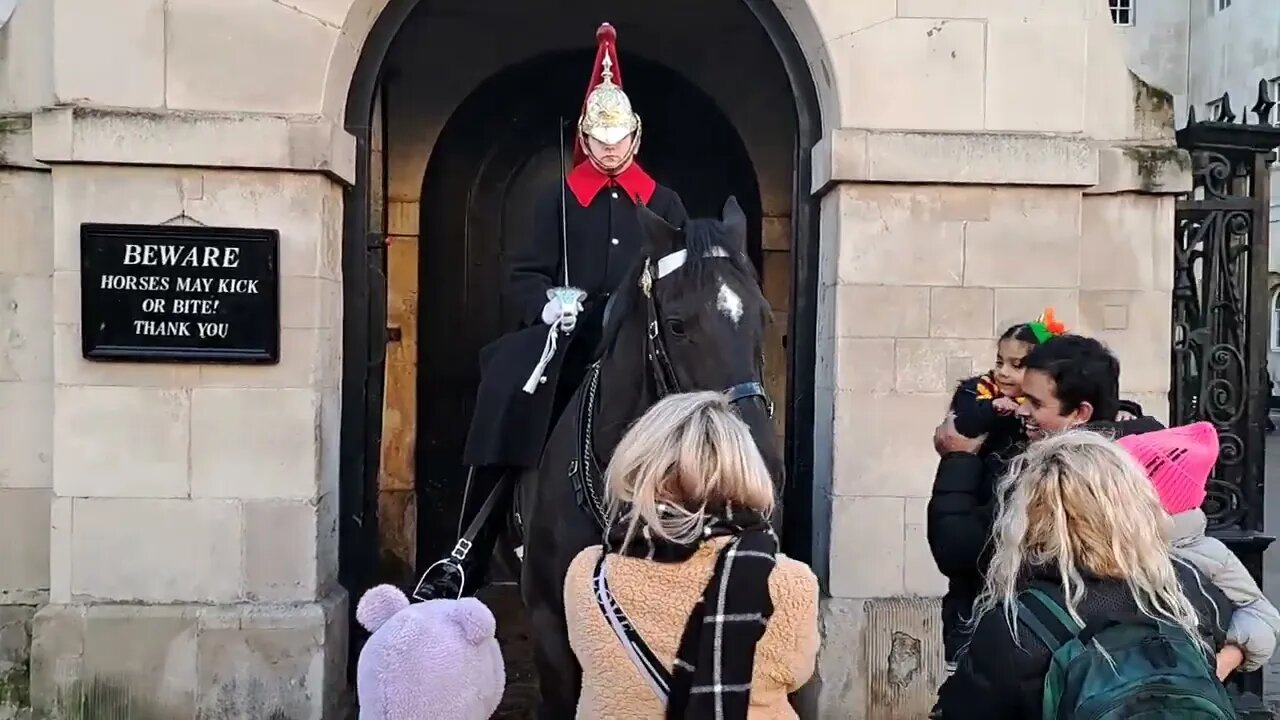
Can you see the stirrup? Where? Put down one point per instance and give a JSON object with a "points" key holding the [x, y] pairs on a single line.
{"points": [[452, 563]]}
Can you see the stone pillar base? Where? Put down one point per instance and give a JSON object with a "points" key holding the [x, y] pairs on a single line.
{"points": [[881, 658], [181, 662], [15, 649]]}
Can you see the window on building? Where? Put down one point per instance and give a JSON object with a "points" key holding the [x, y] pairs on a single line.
{"points": [[1222, 4], [1275, 320], [1122, 12]]}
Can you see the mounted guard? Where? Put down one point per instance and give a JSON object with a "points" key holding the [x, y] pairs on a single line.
{"points": [[585, 236]]}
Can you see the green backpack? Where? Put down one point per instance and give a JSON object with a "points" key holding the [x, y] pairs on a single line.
{"points": [[1158, 671]]}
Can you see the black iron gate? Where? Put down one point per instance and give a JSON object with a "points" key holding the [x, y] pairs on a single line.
{"points": [[1221, 314]]}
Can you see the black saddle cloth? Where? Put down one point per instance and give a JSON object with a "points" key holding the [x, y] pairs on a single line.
{"points": [[509, 426]]}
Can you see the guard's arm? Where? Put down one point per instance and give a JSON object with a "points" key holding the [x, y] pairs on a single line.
{"points": [[675, 213], [535, 262]]}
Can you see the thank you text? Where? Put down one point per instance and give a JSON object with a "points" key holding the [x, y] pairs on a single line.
{"points": [[180, 293]]}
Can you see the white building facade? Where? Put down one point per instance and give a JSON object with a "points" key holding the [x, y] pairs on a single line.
{"points": [[1199, 50]]}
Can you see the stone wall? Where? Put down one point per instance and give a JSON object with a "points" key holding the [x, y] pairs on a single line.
{"points": [[26, 351], [981, 159], [176, 524], [1008, 164]]}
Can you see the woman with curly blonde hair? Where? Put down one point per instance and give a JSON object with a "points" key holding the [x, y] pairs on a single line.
{"points": [[1081, 527], [688, 610]]}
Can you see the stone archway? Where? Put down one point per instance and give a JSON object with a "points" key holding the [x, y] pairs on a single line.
{"points": [[365, 268]]}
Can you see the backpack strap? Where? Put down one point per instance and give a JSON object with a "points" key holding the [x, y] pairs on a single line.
{"points": [[1045, 617], [651, 668]]}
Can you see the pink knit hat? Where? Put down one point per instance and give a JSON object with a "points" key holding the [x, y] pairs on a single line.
{"points": [[1178, 461]]}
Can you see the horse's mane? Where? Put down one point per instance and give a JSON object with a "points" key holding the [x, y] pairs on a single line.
{"points": [[700, 236]]}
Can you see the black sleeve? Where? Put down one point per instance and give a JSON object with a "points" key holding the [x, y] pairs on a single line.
{"points": [[1211, 604], [974, 415], [959, 515], [674, 212], [989, 680], [535, 262]]}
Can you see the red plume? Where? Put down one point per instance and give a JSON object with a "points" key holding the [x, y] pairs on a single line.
{"points": [[606, 34], [606, 42]]}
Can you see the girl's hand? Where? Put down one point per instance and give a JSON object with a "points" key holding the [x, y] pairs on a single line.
{"points": [[1230, 657], [1005, 405]]}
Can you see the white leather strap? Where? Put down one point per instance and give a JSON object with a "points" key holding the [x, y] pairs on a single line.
{"points": [[670, 263]]}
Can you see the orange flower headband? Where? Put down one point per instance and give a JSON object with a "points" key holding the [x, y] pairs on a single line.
{"points": [[1047, 326]]}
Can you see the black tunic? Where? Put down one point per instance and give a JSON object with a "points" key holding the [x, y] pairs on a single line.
{"points": [[603, 240]]}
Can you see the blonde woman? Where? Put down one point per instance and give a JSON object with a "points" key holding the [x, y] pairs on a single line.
{"points": [[1080, 541], [688, 610]]}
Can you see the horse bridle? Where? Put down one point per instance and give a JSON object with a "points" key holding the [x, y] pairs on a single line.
{"points": [[664, 374]]}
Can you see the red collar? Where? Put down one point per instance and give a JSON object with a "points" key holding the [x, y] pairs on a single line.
{"points": [[586, 182]]}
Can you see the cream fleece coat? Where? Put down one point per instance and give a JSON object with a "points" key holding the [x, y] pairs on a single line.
{"points": [[658, 597]]}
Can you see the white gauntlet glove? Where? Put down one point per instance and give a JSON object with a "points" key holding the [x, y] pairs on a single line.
{"points": [[563, 305]]}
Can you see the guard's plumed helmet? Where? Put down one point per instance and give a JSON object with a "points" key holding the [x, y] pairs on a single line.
{"points": [[606, 114]]}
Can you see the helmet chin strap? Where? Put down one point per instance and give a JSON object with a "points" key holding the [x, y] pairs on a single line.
{"points": [[626, 161]]}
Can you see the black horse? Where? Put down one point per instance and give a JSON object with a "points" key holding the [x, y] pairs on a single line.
{"points": [[690, 316]]}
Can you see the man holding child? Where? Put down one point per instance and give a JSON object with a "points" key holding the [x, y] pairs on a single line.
{"points": [[1055, 382]]}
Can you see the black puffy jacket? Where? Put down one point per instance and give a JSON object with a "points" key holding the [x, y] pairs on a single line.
{"points": [[960, 515], [998, 679]]}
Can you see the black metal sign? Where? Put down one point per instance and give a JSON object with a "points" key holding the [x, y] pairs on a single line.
{"points": [[180, 293]]}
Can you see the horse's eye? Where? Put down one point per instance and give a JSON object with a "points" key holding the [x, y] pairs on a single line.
{"points": [[676, 327]]}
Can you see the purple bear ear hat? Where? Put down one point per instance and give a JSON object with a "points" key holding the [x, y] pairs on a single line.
{"points": [[435, 659], [379, 605]]}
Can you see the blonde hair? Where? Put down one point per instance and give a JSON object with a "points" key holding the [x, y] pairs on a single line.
{"points": [[688, 454], [1075, 502]]}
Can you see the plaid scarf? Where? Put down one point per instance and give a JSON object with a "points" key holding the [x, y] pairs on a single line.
{"points": [[714, 663]]}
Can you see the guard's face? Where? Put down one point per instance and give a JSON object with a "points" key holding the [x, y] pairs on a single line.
{"points": [[612, 157]]}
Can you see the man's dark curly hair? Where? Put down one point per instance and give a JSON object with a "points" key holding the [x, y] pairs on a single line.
{"points": [[1083, 370]]}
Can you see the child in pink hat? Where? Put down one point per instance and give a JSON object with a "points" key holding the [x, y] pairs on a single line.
{"points": [[1179, 461]]}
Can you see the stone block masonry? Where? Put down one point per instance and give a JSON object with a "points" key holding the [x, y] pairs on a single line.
{"points": [[176, 524], [159, 662]]}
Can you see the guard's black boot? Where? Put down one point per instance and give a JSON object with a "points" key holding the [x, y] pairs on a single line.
{"points": [[466, 574]]}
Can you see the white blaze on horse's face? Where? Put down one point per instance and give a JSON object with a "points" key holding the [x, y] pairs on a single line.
{"points": [[728, 302]]}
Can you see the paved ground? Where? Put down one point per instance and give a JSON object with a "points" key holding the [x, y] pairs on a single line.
{"points": [[513, 634]]}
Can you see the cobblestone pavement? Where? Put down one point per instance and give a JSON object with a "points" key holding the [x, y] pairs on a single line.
{"points": [[518, 702]]}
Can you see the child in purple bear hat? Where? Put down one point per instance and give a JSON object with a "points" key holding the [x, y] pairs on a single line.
{"points": [[437, 659]]}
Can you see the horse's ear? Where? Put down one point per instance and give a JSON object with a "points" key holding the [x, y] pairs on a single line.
{"points": [[659, 236], [735, 221], [732, 211]]}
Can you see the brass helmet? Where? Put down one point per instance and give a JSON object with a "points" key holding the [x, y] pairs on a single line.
{"points": [[607, 115]]}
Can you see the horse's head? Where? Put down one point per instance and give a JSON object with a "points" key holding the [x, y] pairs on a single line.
{"points": [[705, 316]]}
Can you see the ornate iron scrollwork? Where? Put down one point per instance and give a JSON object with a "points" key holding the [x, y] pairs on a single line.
{"points": [[1221, 322]]}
